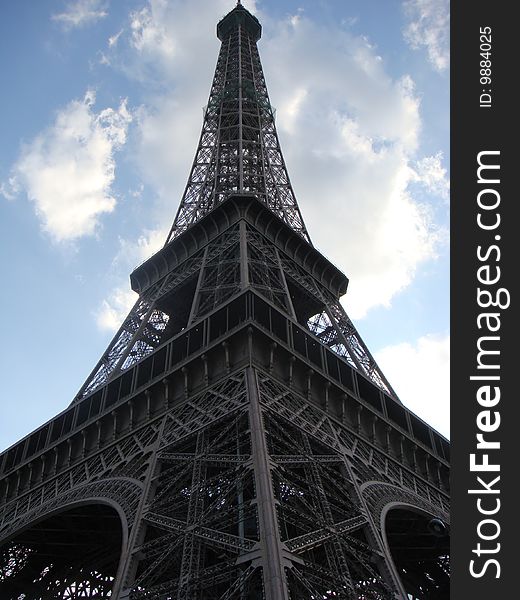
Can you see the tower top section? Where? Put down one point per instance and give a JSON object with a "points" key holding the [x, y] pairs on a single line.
{"points": [[239, 16], [239, 151]]}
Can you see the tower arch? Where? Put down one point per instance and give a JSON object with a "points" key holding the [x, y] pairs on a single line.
{"points": [[418, 542], [70, 552]]}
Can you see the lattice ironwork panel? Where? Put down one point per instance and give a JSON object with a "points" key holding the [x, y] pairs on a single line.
{"points": [[265, 272], [239, 150], [144, 329], [202, 517], [321, 517], [333, 327], [219, 278]]}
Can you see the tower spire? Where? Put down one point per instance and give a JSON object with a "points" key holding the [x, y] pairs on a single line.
{"points": [[239, 150]]}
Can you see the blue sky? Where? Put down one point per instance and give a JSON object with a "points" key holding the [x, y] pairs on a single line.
{"points": [[101, 110]]}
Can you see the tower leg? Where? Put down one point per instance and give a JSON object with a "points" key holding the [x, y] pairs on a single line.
{"points": [[274, 577], [128, 567]]}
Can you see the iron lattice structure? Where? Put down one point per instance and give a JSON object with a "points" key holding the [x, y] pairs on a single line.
{"points": [[236, 440], [238, 149]]}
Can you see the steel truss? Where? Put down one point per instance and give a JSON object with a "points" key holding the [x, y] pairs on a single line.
{"points": [[248, 491], [239, 150], [240, 257]]}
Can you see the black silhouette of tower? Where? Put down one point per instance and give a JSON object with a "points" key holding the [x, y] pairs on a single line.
{"points": [[236, 440]]}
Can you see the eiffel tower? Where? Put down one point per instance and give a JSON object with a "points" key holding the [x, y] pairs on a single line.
{"points": [[236, 440]]}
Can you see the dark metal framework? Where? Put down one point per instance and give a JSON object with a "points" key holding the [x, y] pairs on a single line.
{"points": [[238, 149], [236, 440]]}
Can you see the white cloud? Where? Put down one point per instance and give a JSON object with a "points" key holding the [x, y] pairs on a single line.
{"points": [[429, 27], [134, 252], [137, 192], [112, 40], [113, 311], [167, 142], [68, 169], [292, 108], [419, 373], [103, 59], [350, 134], [167, 38], [82, 13], [176, 62], [10, 189], [150, 32], [433, 175]]}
